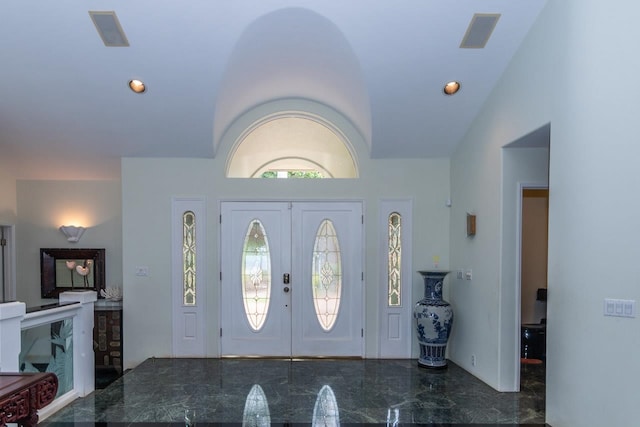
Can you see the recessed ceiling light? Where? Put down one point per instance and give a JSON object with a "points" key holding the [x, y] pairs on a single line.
{"points": [[451, 88], [137, 86]]}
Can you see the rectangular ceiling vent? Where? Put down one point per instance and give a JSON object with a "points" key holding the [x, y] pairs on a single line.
{"points": [[109, 28], [479, 30]]}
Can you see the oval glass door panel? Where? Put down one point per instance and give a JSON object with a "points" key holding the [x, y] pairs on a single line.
{"points": [[326, 277], [256, 275]]}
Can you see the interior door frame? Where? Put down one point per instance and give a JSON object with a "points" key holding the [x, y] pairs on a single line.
{"points": [[9, 270], [362, 293]]}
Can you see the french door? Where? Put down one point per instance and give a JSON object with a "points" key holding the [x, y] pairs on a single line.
{"points": [[291, 278]]}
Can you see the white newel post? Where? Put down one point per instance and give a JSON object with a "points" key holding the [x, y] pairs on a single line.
{"points": [[11, 314], [83, 355]]}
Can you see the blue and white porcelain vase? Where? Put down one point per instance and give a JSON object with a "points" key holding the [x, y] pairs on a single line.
{"points": [[434, 318]]}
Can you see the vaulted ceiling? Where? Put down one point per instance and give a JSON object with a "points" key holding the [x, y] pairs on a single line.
{"points": [[66, 111]]}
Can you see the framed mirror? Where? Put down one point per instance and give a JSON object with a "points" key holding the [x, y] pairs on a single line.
{"points": [[71, 269]]}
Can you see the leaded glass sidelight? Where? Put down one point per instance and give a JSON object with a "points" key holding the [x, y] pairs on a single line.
{"points": [[189, 258], [256, 275], [326, 275], [394, 260]]}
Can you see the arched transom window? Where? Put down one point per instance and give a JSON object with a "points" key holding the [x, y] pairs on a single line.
{"points": [[292, 146]]}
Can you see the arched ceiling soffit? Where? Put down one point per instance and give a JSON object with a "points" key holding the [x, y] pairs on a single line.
{"points": [[293, 53]]}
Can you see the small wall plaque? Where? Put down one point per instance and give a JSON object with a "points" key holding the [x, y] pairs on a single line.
{"points": [[471, 225]]}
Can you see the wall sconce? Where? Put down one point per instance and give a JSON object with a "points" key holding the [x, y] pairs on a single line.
{"points": [[72, 232]]}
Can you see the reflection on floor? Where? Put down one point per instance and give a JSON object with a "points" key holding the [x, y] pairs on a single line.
{"points": [[325, 392], [105, 376]]}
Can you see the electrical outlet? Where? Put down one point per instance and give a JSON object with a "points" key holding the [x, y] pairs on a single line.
{"points": [[473, 360], [459, 275], [468, 274], [142, 271]]}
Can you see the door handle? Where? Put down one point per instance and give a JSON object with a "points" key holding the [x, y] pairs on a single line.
{"points": [[285, 278], [286, 289]]}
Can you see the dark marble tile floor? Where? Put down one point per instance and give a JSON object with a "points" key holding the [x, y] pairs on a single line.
{"points": [[304, 392]]}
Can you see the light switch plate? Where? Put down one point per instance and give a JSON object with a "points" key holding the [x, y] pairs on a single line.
{"points": [[619, 307], [142, 271]]}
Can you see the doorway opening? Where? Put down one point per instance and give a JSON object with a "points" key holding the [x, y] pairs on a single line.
{"points": [[533, 275], [534, 214]]}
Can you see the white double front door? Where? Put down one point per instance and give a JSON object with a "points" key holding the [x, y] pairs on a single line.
{"points": [[292, 279]]}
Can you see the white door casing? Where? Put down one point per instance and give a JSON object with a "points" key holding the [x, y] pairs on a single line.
{"points": [[7, 262]]}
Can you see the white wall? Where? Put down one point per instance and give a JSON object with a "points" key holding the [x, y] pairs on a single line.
{"points": [[43, 206], [565, 74], [486, 308], [149, 185], [484, 181], [593, 209]]}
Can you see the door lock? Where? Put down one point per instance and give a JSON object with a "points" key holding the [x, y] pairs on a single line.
{"points": [[285, 278], [286, 289]]}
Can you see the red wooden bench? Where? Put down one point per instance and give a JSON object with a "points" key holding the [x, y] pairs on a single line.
{"points": [[22, 394]]}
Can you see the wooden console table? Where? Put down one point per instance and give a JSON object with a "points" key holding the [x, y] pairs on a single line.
{"points": [[22, 394]]}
